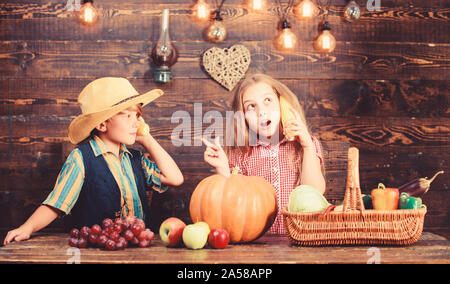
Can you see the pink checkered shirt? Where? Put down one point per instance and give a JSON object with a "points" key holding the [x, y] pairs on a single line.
{"points": [[272, 163]]}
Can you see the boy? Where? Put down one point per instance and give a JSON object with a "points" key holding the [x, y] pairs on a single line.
{"points": [[101, 178]]}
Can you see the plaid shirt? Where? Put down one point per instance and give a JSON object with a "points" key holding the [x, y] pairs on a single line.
{"points": [[274, 163]]}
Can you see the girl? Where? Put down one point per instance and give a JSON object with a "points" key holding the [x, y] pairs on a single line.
{"points": [[285, 157]]}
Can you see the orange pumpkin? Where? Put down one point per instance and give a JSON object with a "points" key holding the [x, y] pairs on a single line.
{"points": [[245, 206]]}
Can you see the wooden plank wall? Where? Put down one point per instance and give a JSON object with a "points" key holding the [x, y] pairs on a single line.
{"points": [[385, 90]]}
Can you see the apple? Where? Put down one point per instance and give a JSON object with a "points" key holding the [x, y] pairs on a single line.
{"points": [[218, 238], [171, 231], [195, 236], [205, 226]]}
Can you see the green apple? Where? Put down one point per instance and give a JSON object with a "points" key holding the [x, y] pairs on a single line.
{"points": [[195, 236], [205, 226]]}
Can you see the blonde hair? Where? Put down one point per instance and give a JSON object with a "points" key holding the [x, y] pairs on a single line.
{"points": [[281, 90], [137, 108]]}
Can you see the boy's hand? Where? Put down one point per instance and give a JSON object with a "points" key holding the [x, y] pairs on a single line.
{"points": [[297, 129], [141, 138], [17, 235], [216, 157]]}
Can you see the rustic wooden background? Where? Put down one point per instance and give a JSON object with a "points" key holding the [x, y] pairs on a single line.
{"points": [[385, 90]]}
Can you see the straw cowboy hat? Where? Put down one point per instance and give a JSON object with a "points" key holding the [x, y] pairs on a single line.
{"points": [[103, 98]]}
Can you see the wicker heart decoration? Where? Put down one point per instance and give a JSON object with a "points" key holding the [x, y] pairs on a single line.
{"points": [[227, 66]]}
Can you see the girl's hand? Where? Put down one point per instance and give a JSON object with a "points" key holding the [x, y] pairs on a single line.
{"points": [[17, 235], [297, 129], [215, 156]]}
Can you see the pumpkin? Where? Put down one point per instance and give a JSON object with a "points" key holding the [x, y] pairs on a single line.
{"points": [[245, 206]]}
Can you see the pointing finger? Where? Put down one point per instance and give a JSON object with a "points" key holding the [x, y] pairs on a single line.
{"points": [[207, 143], [217, 141]]}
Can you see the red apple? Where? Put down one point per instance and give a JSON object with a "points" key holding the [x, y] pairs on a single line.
{"points": [[218, 238], [171, 231]]}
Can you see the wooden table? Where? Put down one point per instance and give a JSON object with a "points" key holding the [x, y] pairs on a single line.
{"points": [[53, 248]]}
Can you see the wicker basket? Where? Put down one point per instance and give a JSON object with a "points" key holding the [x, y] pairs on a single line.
{"points": [[354, 225]]}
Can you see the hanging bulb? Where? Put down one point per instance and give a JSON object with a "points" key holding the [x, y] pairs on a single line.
{"points": [[256, 6], [325, 42], [216, 32], [88, 15], [286, 39], [201, 11], [305, 10], [352, 11], [164, 54]]}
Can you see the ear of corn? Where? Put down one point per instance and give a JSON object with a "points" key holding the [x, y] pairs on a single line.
{"points": [[143, 129], [286, 113]]}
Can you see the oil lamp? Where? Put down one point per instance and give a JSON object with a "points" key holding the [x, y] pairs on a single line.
{"points": [[164, 54]]}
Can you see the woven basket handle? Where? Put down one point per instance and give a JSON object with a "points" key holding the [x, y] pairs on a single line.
{"points": [[353, 200]]}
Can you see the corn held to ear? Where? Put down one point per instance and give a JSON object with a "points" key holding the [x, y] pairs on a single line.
{"points": [[143, 128], [286, 114]]}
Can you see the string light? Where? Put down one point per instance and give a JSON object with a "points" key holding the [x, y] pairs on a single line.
{"points": [[325, 42], [201, 11], [256, 6], [352, 11], [88, 15], [305, 10], [286, 39], [216, 32]]}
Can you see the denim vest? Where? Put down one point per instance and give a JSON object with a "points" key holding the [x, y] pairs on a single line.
{"points": [[100, 195]]}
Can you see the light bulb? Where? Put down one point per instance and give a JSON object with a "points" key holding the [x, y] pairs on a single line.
{"points": [[201, 11], [352, 11], [88, 15], [286, 39], [325, 42], [216, 32], [305, 10], [256, 6]]}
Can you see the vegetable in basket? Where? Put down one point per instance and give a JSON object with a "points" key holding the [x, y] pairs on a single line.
{"points": [[367, 200], [305, 198], [385, 198], [418, 187], [409, 202]]}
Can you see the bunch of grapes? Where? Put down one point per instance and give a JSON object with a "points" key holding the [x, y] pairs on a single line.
{"points": [[113, 235]]}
